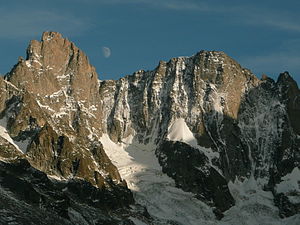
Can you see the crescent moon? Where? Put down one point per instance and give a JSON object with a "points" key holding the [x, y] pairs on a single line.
{"points": [[106, 52]]}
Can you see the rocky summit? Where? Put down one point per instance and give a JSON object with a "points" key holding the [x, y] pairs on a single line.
{"points": [[197, 140]]}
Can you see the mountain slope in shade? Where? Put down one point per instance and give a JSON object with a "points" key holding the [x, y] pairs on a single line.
{"points": [[198, 139]]}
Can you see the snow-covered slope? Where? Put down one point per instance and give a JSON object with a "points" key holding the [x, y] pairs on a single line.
{"points": [[139, 166], [254, 206], [179, 131], [290, 182], [168, 204]]}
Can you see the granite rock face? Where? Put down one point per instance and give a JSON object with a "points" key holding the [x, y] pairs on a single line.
{"points": [[250, 126], [54, 111], [51, 121]]}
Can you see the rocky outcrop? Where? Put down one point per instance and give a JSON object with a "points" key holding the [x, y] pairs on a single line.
{"points": [[56, 110], [286, 207], [290, 94], [8, 150], [32, 198], [191, 171]]}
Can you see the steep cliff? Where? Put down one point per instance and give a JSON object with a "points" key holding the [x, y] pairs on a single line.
{"points": [[211, 120], [50, 116], [197, 135]]}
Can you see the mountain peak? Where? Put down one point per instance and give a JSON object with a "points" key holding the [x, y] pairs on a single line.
{"points": [[56, 62], [51, 35], [54, 51], [285, 77]]}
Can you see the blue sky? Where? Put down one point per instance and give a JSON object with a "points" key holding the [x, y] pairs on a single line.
{"points": [[263, 36]]}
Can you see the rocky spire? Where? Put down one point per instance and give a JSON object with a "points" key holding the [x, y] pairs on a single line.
{"points": [[59, 76], [57, 62], [56, 113], [291, 95]]}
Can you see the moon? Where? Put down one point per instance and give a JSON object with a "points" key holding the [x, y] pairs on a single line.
{"points": [[106, 52]]}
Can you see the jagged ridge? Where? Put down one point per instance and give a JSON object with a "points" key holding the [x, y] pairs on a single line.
{"points": [[243, 127]]}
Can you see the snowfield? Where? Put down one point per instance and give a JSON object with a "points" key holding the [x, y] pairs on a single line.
{"points": [[179, 131], [19, 145], [139, 166]]}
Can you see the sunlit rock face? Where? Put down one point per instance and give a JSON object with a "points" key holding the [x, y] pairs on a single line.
{"points": [[51, 120], [208, 121], [241, 125], [51, 105]]}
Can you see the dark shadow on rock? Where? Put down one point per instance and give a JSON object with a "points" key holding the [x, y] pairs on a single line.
{"points": [[190, 169], [44, 201], [267, 146]]}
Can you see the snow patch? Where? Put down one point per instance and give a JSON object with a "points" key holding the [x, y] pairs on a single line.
{"points": [[253, 205], [290, 182], [21, 145], [136, 221], [10, 84], [45, 106], [28, 64], [56, 94], [179, 131], [54, 177], [242, 190]]}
